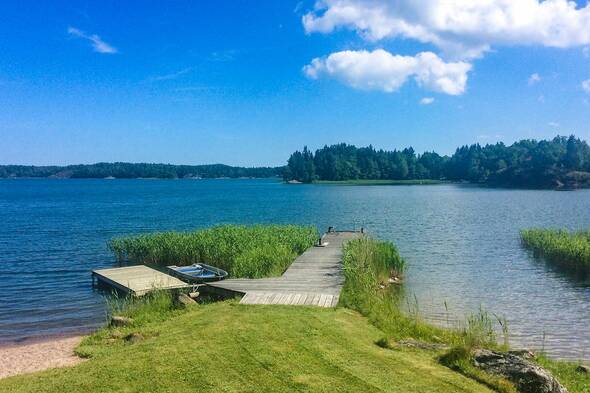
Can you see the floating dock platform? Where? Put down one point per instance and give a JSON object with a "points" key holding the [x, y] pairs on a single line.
{"points": [[315, 278], [138, 280]]}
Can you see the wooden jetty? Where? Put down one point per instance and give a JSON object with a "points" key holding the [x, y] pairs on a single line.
{"points": [[315, 278], [137, 280]]}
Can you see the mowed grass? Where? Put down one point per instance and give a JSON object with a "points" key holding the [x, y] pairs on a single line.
{"points": [[570, 250], [243, 251], [227, 347]]}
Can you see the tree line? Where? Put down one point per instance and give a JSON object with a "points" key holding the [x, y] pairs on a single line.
{"points": [[122, 170], [563, 162], [560, 162]]}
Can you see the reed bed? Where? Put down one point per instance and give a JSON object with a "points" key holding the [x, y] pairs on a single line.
{"points": [[243, 251], [368, 266], [570, 250]]}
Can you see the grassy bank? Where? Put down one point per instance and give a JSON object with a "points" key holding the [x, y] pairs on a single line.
{"points": [[222, 347], [243, 251], [225, 346], [367, 182], [570, 250], [368, 267], [369, 264]]}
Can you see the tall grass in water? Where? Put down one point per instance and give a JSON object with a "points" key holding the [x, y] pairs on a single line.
{"points": [[368, 265], [568, 249], [244, 251]]}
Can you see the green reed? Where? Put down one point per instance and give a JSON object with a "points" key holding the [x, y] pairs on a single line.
{"points": [[368, 265], [570, 250], [243, 251]]}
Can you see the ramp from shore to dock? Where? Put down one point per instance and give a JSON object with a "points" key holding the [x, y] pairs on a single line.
{"points": [[315, 278], [137, 280]]}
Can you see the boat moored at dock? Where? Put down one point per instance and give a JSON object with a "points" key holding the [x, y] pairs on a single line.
{"points": [[197, 273]]}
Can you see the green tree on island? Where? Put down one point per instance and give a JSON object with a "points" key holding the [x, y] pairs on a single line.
{"points": [[560, 162]]}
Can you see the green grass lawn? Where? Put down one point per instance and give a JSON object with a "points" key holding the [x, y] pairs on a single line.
{"points": [[227, 347]]}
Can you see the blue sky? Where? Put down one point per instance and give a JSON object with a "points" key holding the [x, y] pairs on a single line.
{"points": [[224, 81]]}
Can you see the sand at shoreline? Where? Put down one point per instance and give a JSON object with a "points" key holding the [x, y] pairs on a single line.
{"points": [[37, 356]]}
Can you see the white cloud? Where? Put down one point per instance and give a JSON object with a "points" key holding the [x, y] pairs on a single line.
{"points": [[225, 55], [97, 43], [535, 78], [460, 28], [487, 137], [553, 124], [426, 101], [170, 76], [381, 70], [586, 86]]}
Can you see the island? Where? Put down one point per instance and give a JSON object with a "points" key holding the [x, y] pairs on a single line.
{"points": [[560, 163]]}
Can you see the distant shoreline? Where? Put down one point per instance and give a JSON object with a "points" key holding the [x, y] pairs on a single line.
{"points": [[137, 178], [358, 182], [368, 182], [130, 170]]}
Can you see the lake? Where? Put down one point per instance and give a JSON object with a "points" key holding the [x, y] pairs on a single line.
{"points": [[461, 243]]}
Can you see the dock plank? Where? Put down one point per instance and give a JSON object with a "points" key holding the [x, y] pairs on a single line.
{"points": [[138, 280], [315, 278]]}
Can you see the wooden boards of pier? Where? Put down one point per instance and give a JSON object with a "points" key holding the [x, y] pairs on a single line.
{"points": [[315, 278], [138, 280]]}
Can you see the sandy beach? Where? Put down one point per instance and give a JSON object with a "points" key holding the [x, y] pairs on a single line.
{"points": [[37, 356]]}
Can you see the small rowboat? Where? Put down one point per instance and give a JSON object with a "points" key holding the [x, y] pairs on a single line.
{"points": [[198, 272]]}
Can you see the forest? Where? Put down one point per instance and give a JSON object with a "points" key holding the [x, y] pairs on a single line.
{"points": [[563, 162], [122, 170]]}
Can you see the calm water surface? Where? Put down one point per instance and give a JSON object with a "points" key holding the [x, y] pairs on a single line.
{"points": [[461, 243]]}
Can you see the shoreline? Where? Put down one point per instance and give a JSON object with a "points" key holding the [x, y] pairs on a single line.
{"points": [[38, 354]]}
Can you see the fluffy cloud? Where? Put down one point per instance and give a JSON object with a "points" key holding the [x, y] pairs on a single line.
{"points": [[534, 79], [97, 43], [381, 70], [426, 101], [460, 28], [586, 86]]}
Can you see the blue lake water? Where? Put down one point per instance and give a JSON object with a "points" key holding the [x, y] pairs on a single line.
{"points": [[461, 243]]}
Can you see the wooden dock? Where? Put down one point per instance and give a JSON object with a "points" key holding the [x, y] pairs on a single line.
{"points": [[137, 280], [315, 278]]}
